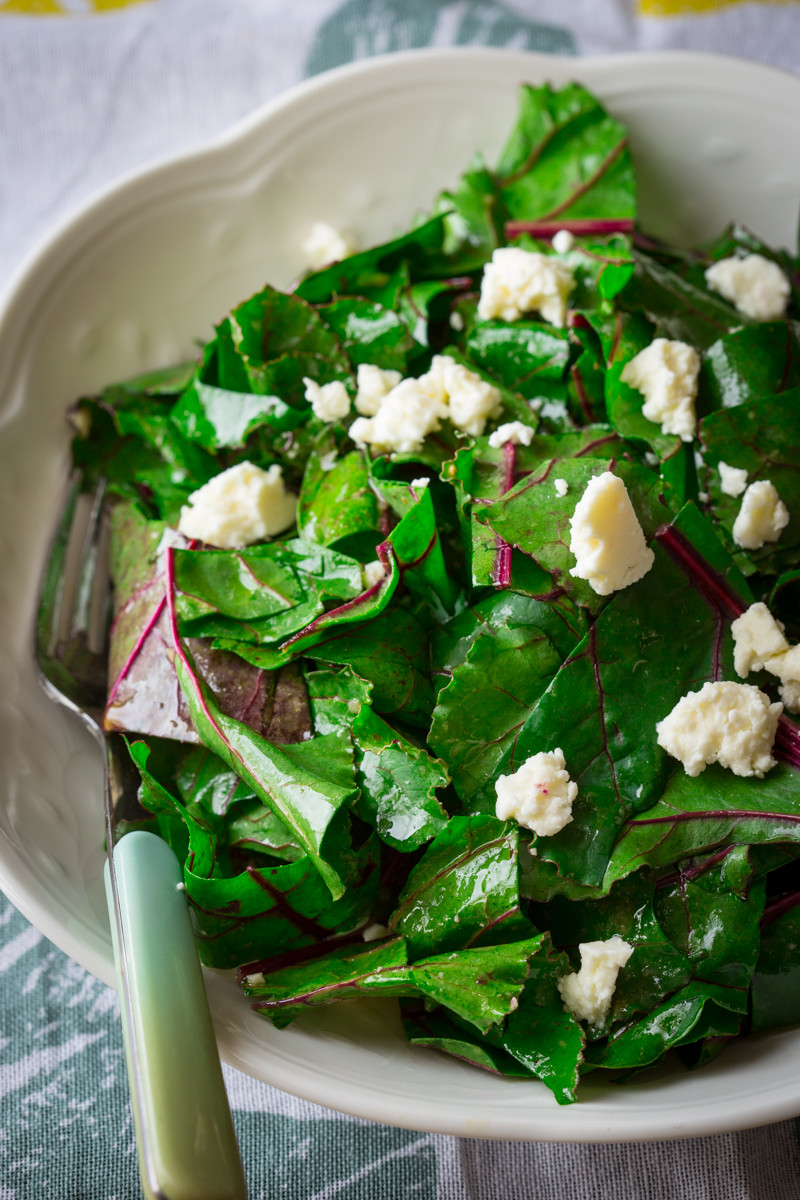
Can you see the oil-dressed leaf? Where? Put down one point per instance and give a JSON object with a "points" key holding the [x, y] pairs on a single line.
{"points": [[470, 871], [398, 782]]}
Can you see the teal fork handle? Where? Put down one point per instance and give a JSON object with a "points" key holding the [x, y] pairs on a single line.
{"points": [[184, 1130]]}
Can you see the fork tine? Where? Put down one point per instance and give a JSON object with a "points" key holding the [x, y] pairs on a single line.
{"points": [[53, 612], [71, 645], [90, 607]]}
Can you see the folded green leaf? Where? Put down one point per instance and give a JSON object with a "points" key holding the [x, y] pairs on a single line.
{"points": [[398, 782], [464, 890]]}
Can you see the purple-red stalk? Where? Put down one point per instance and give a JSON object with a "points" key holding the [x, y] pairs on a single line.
{"points": [[546, 230]]}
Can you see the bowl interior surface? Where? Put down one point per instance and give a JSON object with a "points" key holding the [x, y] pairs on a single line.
{"points": [[132, 282]]}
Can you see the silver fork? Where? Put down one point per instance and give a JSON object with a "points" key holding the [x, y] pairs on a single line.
{"points": [[187, 1145]]}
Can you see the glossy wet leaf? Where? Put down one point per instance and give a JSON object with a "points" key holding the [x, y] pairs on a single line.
{"points": [[398, 782], [488, 699], [469, 871], [345, 974], [336, 501]]}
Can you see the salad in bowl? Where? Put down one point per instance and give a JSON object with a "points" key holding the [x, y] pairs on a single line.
{"points": [[455, 634]]}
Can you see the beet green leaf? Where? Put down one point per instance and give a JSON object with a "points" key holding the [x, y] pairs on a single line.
{"points": [[469, 871], [398, 782]]}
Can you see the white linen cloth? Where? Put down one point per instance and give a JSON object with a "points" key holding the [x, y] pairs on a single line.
{"points": [[86, 97]]}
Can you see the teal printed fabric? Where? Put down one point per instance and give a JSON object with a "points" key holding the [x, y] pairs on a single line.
{"points": [[362, 27], [66, 1129]]}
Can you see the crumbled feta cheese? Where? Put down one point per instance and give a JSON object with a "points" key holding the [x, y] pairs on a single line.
{"points": [[353, 705], [786, 666], [588, 993], [732, 480], [520, 281], [606, 537], [561, 486], [760, 644], [665, 372], [472, 400], [703, 497], [563, 241], [513, 431], [374, 384], [732, 724], [242, 505], [373, 932], [539, 795], [789, 693], [330, 401], [762, 516], [456, 321], [422, 482], [255, 980], [373, 573], [757, 637], [325, 244], [413, 408], [755, 285], [408, 413]]}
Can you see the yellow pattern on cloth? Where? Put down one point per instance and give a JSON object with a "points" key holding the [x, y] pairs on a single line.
{"points": [[686, 8], [49, 8]]}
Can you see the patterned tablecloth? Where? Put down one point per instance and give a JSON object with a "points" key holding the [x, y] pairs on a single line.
{"points": [[78, 107]]}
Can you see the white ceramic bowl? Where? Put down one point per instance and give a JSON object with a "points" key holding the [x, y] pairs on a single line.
{"points": [[142, 272]]}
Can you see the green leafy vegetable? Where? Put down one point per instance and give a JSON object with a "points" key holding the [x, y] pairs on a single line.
{"points": [[320, 719]]}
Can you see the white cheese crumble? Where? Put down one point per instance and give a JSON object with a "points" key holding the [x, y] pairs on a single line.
{"points": [[471, 398], [760, 644], [732, 724], [373, 573], [353, 705], [755, 285], [757, 637], [588, 993], [325, 244], [374, 384], [422, 482], [513, 431], [561, 486], [242, 505], [456, 321], [371, 933], [414, 408], [606, 538], [762, 517], [539, 795], [563, 241], [407, 414], [520, 281], [329, 401], [665, 372], [732, 480]]}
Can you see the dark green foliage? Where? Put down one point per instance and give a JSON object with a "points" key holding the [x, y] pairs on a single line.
{"points": [[327, 712]]}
